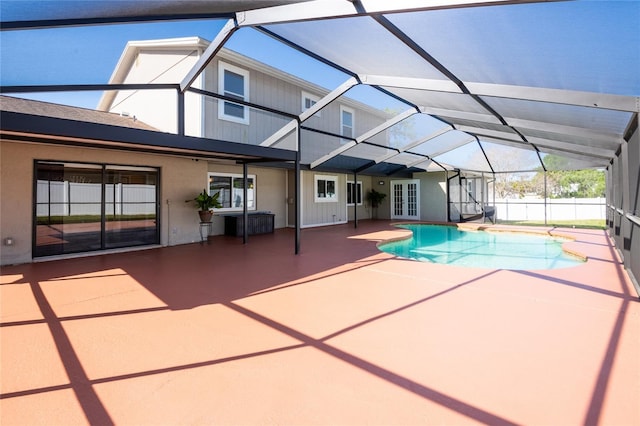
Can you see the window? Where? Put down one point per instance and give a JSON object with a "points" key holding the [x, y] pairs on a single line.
{"points": [[326, 189], [354, 193], [231, 189], [87, 207], [346, 123], [309, 100], [233, 82]]}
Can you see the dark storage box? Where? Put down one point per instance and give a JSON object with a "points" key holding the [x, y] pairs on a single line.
{"points": [[259, 223]]}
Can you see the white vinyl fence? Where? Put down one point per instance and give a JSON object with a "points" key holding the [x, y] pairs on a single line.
{"points": [[70, 199], [556, 209]]}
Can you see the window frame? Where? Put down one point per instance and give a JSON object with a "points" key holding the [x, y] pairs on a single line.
{"points": [[222, 67], [359, 193], [314, 98], [326, 178], [233, 177], [351, 111]]}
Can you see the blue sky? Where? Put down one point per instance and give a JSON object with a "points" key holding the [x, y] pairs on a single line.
{"points": [[88, 55]]}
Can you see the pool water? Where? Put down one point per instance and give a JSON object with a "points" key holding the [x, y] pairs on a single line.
{"points": [[494, 250]]}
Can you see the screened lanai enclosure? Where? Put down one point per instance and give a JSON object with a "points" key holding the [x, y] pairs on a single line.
{"points": [[469, 89]]}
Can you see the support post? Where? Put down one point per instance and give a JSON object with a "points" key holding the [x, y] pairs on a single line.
{"points": [[482, 207], [180, 113], [245, 207], [354, 196], [298, 191], [545, 197]]}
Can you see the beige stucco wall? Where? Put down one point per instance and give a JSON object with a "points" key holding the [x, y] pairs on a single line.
{"points": [[270, 191], [180, 179], [158, 108], [433, 196]]}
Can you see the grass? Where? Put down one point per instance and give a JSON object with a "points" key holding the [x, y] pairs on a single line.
{"points": [[584, 223], [57, 220]]}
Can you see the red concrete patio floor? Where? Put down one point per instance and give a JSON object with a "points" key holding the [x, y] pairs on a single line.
{"points": [[226, 333]]}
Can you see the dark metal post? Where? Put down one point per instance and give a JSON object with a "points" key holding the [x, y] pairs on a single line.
{"points": [[447, 207], [355, 199], [298, 192], [245, 204], [180, 113], [545, 198]]}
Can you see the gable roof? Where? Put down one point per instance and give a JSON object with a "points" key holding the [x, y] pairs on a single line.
{"points": [[47, 109]]}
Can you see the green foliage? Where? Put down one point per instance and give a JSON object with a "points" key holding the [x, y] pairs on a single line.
{"points": [[576, 184], [204, 201], [91, 218], [561, 181], [375, 198]]}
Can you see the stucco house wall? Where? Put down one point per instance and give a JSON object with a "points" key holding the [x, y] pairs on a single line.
{"points": [[169, 60], [180, 179], [433, 196]]}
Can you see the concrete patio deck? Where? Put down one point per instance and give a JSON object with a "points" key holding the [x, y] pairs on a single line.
{"points": [[342, 334]]}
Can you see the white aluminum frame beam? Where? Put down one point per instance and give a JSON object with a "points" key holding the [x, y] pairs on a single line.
{"points": [[544, 144], [328, 9], [308, 113], [284, 131], [557, 96], [560, 129], [414, 144], [431, 84], [458, 144], [212, 50], [422, 160], [586, 151], [448, 114], [537, 94], [378, 129], [520, 124], [512, 137]]}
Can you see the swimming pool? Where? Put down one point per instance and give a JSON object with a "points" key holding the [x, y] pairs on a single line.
{"points": [[494, 250]]}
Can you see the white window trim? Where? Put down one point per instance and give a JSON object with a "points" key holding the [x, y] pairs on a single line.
{"points": [[222, 66], [353, 122], [236, 176], [314, 98], [332, 178], [358, 185]]}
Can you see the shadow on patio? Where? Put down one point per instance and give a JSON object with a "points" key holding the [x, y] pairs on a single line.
{"points": [[228, 333]]}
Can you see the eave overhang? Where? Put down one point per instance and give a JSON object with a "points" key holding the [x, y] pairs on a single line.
{"points": [[22, 127]]}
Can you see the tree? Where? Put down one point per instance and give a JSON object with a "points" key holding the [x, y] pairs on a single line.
{"points": [[565, 183]]}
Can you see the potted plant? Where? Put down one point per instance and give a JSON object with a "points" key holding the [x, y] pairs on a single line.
{"points": [[375, 198], [205, 204]]}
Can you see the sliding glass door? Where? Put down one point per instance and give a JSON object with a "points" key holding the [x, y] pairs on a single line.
{"points": [[130, 206], [85, 207]]}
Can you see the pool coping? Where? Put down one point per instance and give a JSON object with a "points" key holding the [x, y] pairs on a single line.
{"points": [[478, 227]]}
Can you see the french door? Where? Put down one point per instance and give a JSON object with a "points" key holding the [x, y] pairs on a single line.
{"points": [[405, 199]]}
